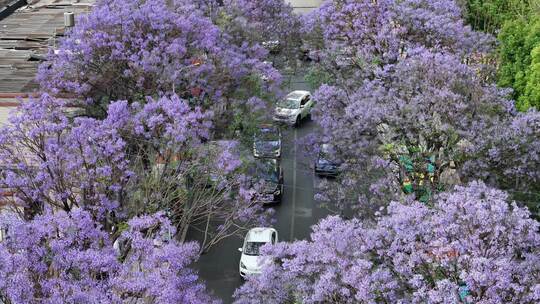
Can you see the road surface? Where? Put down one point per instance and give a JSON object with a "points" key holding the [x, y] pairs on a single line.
{"points": [[294, 216]]}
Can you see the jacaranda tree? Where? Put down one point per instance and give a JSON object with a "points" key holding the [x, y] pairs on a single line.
{"points": [[127, 50], [508, 156], [360, 36], [408, 124], [268, 23], [139, 159], [69, 258], [472, 246]]}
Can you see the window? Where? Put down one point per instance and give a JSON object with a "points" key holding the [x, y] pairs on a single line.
{"points": [[305, 100], [273, 237], [252, 248]]}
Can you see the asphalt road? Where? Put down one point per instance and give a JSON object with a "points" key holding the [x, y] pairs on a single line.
{"points": [[294, 216]]}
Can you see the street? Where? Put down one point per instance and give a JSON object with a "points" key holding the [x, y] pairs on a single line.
{"points": [[294, 216]]}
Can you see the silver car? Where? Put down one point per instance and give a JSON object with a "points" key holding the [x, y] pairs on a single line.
{"points": [[294, 107]]}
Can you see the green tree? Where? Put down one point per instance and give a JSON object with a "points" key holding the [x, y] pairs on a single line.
{"points": [[531, 95], [490, 15], [517, 40]]}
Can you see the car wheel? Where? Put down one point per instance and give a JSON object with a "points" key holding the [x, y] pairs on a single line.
{"points": [[298, 120]]}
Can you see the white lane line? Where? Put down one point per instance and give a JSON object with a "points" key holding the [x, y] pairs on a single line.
{"points": [[293, 209]]}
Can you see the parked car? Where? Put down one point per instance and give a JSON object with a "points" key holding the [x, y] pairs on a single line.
{"points": [[267, 142], [294, 107], [268, 176], [251, 261], [326, 164]]}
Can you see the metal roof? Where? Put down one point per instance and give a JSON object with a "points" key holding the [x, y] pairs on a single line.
{"points": [[25, 36]]}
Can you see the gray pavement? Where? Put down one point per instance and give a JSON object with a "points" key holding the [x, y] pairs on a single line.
{"points": [[294, 216]]}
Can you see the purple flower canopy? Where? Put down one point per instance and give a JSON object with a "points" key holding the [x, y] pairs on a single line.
{"points": [[59, 159], [151, 78], [416, 254], [132, 49], [68, 258], [403, 80], [407, 79], [154, 78]]}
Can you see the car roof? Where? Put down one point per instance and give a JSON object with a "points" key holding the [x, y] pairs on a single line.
{"points": [[297, 95], [259, 234]]}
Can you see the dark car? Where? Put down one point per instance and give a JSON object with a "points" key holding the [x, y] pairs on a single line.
{"points": [[267, 142], [268, 178], [326, 164]]}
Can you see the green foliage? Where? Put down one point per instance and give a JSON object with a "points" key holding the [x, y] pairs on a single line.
{"points": [[518, 39], [490, 15], [517, 23], [244, 118], [315, 77], [531, 95]]}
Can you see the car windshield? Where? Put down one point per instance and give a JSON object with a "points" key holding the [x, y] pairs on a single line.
{"points": [[252, 248], [289, 104], [268, 175], [326, 156], [268, 172], [267, 134]]}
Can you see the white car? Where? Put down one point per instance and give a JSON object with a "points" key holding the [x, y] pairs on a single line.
{"points": [[251, 261], [294, 107]]}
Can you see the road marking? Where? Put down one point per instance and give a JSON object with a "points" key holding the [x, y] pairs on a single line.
{"points": [[293, 211]]}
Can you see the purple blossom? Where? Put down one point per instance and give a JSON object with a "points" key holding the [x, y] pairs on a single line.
{"points": [[415, 254], [127, 50], [68, 258]]}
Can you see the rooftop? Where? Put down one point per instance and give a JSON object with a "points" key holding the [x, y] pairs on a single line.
{"points": [[25, 37]]}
